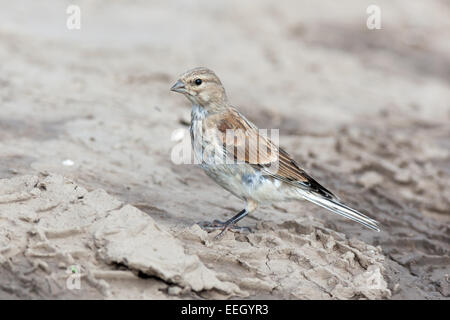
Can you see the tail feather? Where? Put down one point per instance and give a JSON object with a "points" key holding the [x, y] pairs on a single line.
{"points": [[337, 207]]}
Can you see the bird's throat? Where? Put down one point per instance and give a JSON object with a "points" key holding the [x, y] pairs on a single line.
{"points": [[198, 113]]}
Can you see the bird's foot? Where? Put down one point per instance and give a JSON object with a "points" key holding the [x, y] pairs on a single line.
{"points": [[221, 225]]}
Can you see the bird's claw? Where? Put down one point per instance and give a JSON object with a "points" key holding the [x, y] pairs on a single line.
{"points": [[220, 225]]}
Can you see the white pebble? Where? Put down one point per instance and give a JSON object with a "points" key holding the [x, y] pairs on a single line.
{"points": [[68, 163], [178, 135]]}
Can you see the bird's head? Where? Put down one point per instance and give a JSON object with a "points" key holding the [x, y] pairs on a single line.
{"points": [[202, 87]]}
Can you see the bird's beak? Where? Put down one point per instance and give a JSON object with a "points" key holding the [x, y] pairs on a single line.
{"points": [[178, 87]]}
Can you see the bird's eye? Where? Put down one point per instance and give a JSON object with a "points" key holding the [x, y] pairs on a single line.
{"points": [[198, 81]]}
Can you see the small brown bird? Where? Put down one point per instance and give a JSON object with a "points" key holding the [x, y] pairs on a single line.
{"points": [[235, 154]]}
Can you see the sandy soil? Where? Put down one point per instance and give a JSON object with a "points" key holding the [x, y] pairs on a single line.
{"points": [[366, 112]]}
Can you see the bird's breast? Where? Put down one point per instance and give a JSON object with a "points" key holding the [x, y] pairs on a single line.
{"points": [[206, 143]]}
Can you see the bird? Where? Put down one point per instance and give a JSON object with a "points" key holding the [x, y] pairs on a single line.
{"points": [[243, 160]]}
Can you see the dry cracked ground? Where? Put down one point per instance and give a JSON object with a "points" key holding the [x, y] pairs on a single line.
{"points": [[87, 127]]}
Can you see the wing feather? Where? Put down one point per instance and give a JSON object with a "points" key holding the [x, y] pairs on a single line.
{"points": [[244, 143]]}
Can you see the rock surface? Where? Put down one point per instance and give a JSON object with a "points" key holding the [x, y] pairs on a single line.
{"points": [[56, 230]]}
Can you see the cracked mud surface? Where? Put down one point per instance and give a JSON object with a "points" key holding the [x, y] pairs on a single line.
{"points": [[366, 113]]}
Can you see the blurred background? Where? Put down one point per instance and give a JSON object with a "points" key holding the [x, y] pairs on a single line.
{"points": [[367, 112]]}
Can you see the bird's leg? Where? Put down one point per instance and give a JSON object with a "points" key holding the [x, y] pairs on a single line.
{"points": [[230, 223], [225, 225]]}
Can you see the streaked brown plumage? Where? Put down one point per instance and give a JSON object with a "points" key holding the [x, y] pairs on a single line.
{"points": [[234, 153]]}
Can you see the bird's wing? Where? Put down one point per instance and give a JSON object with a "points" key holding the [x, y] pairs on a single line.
{"points": [[240, 144], [245, 143]]}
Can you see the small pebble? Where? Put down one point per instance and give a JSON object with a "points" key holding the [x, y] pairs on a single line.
{"points": [[174, 291], [68, 163]]}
